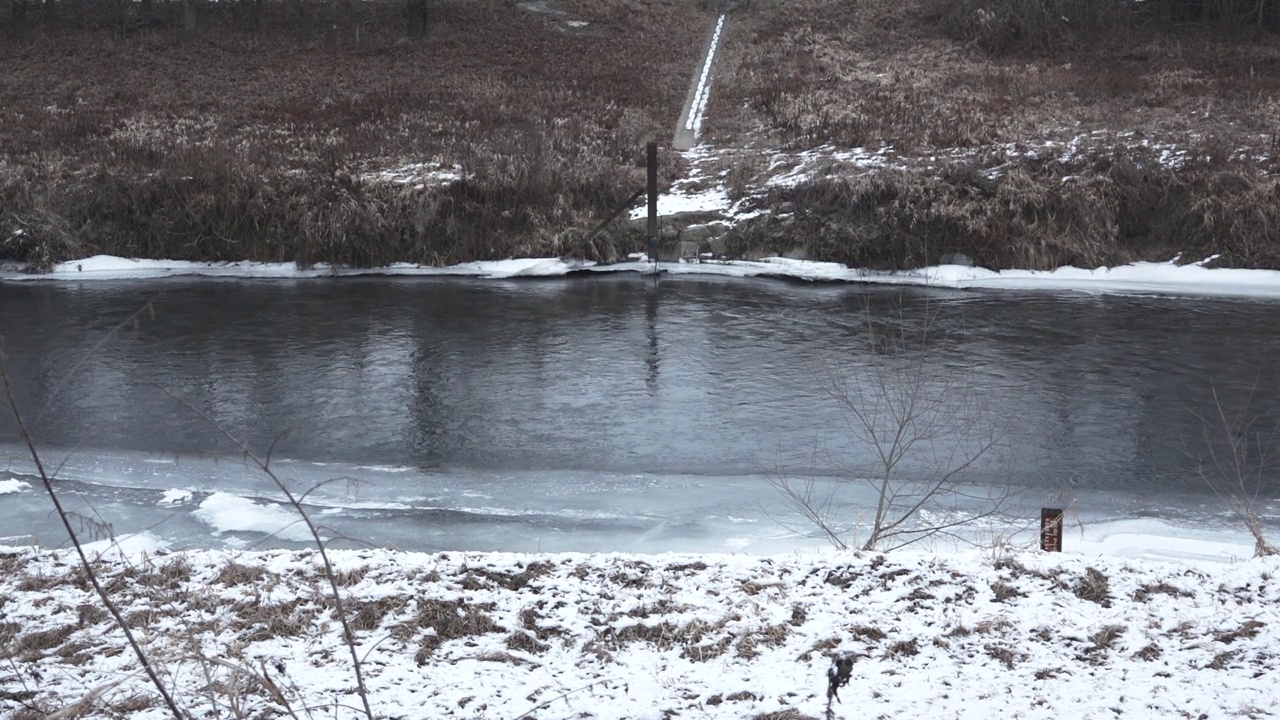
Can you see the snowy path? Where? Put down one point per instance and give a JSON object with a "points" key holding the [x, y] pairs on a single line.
{"points": [[690, 123]]}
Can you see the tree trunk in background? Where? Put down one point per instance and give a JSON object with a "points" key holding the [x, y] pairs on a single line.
{"points": [[255, 15], [17, 20], [304, 21], [188, 17], [417, 19]]}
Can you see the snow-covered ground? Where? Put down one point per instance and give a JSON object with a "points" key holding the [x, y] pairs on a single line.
{"points": [[979, 634]]}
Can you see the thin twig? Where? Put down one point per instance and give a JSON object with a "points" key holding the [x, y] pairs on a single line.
{"points": [[84, 559], [559, 697], [347, 635]]}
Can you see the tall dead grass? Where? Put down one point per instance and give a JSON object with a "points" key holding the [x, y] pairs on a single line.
{"points": [[1100, 210], [272, 144]]}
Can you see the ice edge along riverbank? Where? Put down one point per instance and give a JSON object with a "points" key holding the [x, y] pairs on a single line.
{"points": [[1155, 278]]}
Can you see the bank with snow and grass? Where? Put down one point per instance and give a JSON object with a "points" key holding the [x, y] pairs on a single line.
{"points": [[965, 635], [880, 136]]}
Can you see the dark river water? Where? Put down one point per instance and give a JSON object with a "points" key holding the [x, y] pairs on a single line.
{"points": [[568, 413]]}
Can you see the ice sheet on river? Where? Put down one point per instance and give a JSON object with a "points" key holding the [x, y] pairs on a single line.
{"points": [[216, 503]]}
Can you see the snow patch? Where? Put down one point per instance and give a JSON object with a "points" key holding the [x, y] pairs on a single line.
{"points": [[703, 91], [175, 496], [13, 486], [126, 548], [418, 174], [227, 513]]}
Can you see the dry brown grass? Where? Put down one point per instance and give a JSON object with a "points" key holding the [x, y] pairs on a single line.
{"points": [[1003, 591], [234, 573], [788, 714], [259, 138], [368, 615], [911, 76], [749, 644], [264, 621], [903, 648], [1102, 641], [1248, 629], [1112, 209], [1094, 587], [1005, 655], [260, 145], [1144, 593], [436, 622], [899, 73], [30, 647], [525, 642], [694, 638]]}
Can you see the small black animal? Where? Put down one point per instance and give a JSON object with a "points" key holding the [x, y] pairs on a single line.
{"points": [[838, 674]]}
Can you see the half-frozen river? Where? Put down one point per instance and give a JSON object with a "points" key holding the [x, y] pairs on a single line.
{"points": [[606, 412]]}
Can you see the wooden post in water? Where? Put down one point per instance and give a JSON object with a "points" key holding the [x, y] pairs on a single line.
{"points": [[653, 200], [1051, 529]]}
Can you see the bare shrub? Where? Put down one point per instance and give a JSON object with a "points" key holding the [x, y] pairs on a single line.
{"points": [[923, 428], [1237, 464], [86, 565]]}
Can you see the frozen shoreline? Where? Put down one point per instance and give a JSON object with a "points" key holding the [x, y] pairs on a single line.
{"points": [[1166, 278]]}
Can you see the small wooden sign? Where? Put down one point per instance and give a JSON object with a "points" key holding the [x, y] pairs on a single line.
{"points": [[1051, 529]]}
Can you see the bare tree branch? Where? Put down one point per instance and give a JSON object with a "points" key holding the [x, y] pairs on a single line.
{"points": [[904, 411], [1236, 473], [47, 481], [262, 464]]}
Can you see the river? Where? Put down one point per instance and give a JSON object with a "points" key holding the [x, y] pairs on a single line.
{"points": [[606, 412]]}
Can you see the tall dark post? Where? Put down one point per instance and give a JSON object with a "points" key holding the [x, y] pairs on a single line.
{"points": [[417, 19], [653, 199], [1051, 529], [188, 17]]}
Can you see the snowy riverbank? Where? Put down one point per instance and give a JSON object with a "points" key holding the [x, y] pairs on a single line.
{"points": [[972, 634], [1167, 278]]}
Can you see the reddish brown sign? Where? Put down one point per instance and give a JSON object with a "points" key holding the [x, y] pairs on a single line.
{"points": [[1051, 529]]}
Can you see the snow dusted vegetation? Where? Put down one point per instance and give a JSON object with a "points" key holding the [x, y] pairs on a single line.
{"points": [[976, 634]]}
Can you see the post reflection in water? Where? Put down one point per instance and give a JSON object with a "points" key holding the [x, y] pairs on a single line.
{"points": [[652, 359], [1100, 391]]}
